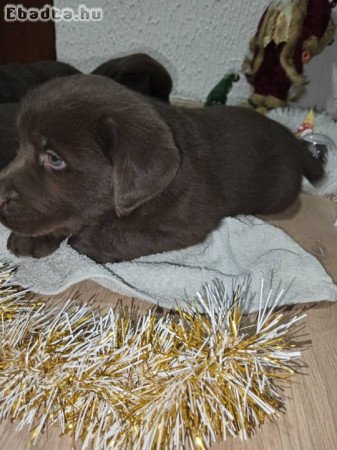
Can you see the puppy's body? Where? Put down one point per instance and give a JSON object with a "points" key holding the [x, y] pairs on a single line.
{"points": [[140, 177], [17, 79]]}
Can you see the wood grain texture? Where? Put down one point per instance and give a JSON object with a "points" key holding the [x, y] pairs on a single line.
{"points": [[310, 421], [311, 221], [26, 42]]}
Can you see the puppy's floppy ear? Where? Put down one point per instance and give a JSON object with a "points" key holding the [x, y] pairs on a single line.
{"points": [[144, 157]]}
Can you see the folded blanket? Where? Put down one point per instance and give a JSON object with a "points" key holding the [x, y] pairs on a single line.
{"points": [[243, 250]]}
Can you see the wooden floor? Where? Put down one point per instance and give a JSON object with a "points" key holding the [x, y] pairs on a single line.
{"points": [[311, 418]]}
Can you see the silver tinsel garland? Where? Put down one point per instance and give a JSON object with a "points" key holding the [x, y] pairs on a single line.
{"points": [[121, 381]]}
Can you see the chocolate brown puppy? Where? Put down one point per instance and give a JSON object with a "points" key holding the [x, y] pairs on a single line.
{"points": [[139, 72], [124, 176]]}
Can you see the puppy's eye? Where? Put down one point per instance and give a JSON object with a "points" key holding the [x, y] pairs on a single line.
{"points": [[52, 159]]}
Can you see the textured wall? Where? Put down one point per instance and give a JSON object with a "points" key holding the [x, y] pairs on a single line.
{"points": [[197, 40]]}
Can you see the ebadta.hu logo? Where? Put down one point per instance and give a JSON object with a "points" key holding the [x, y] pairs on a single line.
{"points": [[18, 13]]}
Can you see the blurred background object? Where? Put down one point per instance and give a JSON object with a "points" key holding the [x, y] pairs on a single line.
{"points": [[26, 42], [197, 41], [140, 73], [290, 33], [17, 79]]}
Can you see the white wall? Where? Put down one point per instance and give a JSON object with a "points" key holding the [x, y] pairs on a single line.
{"points": [[197, 40]]}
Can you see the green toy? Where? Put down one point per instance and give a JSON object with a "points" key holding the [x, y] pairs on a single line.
{"points": [[219, 94]]}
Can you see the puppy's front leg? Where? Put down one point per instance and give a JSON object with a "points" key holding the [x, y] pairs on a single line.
{"points": [[36, 247], [91, 242]]}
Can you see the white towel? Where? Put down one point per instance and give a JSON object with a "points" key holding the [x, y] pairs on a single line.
{"points": [[243, 249]]}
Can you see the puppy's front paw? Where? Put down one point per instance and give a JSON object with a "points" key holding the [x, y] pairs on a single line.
{"points": [[36, 247]]}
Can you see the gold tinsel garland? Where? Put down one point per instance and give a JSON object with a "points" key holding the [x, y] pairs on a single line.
{"points": [[117, 381]]}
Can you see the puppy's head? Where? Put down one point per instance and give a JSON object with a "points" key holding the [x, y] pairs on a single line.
{"points": [[88, 148], [140, 73]]}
